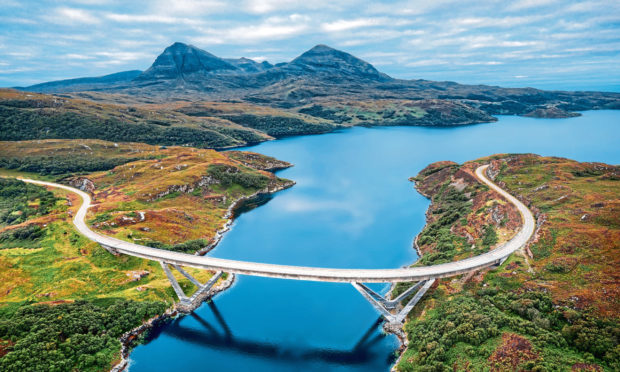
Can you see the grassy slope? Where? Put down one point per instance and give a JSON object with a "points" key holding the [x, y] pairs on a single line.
{"points": [[209, 124], [118, 196], [396, 112], [551, 307], [272, 121], [63, 267], [59, 157], [25, 116], [168, 193]]}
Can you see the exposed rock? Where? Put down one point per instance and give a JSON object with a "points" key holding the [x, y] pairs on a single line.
{"points": [[497, 215], [185, 188], [542, 187], [137, 274], [82, 183]]}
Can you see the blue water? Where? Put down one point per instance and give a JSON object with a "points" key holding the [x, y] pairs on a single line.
{"points": [[352, 207]]}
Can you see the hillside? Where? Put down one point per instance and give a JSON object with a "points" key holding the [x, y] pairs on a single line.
{"points": [[27, 116], [64, 300], [554, 305]]}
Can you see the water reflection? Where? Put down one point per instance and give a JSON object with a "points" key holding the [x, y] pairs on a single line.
{"points": [[220, 336]]}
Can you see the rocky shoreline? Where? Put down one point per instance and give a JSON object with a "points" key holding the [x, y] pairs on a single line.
{"points": [[398, 330], [229, 216], [129, 337]]}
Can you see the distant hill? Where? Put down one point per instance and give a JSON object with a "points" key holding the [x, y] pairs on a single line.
{"points": [[86, 83]]}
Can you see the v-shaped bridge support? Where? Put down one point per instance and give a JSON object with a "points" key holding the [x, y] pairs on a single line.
{"points": [[202, 288], [383, 305]]}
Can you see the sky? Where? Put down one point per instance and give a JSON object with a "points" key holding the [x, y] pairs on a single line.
{"points": [[549, 44]]}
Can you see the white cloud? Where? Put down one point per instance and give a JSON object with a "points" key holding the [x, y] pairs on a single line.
{"points": [[189, 7], [91, 2], [427, 62], [151, 18], [124, 56], [478, 22], [527, 4], [17, 20], [359, 218], [272, 28], [21, 55], [349, 24], [71, 16], [590, 6], [481, 63], [415, 7], [78, 56], [119, 58], [273, 6], [15, 70]]}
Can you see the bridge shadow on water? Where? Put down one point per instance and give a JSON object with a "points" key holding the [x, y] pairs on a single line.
{"points": [[221, 337]]}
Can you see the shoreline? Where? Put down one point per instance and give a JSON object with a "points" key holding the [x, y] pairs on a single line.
{"points": [[174, 310], [398, 331], [128, 338], [229, 215]]}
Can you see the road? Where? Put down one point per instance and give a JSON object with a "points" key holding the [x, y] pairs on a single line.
{"points": [[313, 273]]}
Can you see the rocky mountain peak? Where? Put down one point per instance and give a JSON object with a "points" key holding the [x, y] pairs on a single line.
{"points": [[324, 59], [180, 59]]}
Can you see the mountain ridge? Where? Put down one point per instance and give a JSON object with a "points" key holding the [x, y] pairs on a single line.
{"points": [[320, 79]]}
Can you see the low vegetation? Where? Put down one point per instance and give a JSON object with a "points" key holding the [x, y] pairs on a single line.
{"points": [[62, 157], [182, 196], [19, 201], [28, 116], [272, 121], [427, 112], [78, 336], [553, 306], [64, 300]]}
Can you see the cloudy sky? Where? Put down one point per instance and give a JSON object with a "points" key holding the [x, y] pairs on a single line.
{"points": [[540, 43]]}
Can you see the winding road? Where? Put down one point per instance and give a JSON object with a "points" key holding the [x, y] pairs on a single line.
{"points": [[312, 273]]}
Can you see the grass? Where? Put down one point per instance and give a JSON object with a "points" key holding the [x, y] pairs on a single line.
{"points": [[553, 309], [182, 197], [62, 265]]}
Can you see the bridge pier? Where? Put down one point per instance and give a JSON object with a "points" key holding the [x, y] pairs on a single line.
{"points": [[384, 305], [187, 303]]}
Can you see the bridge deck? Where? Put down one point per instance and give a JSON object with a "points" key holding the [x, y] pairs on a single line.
{"points": [[312, 273]]}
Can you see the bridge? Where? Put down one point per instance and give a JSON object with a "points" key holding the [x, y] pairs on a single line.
{"points": [[424, 276]]}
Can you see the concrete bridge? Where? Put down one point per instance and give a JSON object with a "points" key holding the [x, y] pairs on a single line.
{"points": [[424, 275]]}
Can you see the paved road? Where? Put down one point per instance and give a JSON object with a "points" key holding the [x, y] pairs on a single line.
{"points": [[313, 273]]}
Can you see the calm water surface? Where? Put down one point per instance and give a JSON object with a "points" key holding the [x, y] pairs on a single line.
{"points": [[352, 207]]}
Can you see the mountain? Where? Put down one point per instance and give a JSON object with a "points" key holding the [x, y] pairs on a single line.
{"points": [[329, 84], [86, 83], [179, 60], [328, 61]]}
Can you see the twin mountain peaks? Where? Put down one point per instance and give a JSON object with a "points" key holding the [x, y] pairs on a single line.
{"points": [[188, 63], [319, 75], [181, 59]]}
